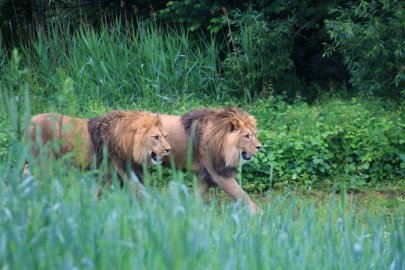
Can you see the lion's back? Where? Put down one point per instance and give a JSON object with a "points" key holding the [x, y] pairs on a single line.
{"points": [[69, 133]]}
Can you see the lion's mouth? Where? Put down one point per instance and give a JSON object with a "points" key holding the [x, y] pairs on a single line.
{"points": [[155, 158], [246, 156]]}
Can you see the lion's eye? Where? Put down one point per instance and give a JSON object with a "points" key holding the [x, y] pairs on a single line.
{"points": [[156, 137], [247, 136]]}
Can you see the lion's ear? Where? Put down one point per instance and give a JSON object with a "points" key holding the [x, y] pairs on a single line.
{"points": [[234, 124], [252, 120]]}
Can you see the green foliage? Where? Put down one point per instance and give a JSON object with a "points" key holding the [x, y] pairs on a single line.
{"points": [[259, 58], [371, 37], [311, 74], [290, 48], [197, 15], [14, 102], [306, 146], [4, 137]]}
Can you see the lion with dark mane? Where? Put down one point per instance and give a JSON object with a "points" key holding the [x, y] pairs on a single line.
{"points": [[129, 138], [221, 141]]}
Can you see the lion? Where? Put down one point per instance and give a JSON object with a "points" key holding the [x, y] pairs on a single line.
{"points": [[221, 140], [130, 138], [64, 134]]}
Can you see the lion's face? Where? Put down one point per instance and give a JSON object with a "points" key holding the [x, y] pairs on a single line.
{"points": [[248, 144], [155, 145], [241, 142]]}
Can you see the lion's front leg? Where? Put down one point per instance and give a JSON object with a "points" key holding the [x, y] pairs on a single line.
{"points": [[135, 186], [204, 182], [231, 187]]}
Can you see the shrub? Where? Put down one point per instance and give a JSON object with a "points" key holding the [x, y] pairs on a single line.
{"points": [[307, 145], [259, 58], [370, 36]]}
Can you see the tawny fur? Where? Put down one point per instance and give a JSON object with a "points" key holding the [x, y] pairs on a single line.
{"points": [[219, 138], [64, 134], [127, 136]]}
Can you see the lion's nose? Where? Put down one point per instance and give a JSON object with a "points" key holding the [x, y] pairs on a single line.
{"points": [[258, 147], [167, 151]]}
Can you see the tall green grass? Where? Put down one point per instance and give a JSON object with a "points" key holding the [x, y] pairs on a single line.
{"points": [[52, 220], [118, 64]]}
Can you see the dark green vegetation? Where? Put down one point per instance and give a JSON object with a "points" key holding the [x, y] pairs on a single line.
{"points": [[325, 82], [293, 48]]}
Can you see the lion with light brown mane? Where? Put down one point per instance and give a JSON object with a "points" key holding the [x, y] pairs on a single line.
{"points": [[130, 138], [221, 141]]}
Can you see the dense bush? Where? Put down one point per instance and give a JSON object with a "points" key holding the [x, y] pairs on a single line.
{"points": [[357, 141], [259, 59], [263, 47], [371, 37]]}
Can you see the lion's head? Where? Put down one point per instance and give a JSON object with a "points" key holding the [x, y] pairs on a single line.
{"points": [[150, 140], [138, 137], [229, 136]]}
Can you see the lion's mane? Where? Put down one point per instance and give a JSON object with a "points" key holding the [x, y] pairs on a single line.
{"points": [[121, 134], [209, 128]]}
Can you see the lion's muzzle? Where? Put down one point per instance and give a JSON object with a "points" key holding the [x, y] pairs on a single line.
{"points": [[155, 158], [246, 156]]}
